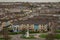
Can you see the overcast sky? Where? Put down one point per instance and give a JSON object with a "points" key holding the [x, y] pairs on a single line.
{"points": [[29, 0]]}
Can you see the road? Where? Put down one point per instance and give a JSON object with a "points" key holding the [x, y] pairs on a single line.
{"points": [[17, 37]]}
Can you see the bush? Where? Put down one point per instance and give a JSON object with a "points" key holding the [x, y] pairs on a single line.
{"points": [[34, 32], [14, 33]]}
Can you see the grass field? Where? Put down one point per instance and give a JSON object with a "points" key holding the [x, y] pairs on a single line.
{"points": [[57, 36]]}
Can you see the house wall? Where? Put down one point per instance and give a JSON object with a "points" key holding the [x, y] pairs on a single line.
{"points": [[43, 27], [31, 27]]}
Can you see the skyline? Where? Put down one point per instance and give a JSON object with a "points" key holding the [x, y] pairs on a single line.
{"points": [[29, 0]]}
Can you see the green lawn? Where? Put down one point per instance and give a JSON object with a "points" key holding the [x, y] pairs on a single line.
{"points": [[31, 37], [8, 38], [43, 35], [1, 38], [57, 36], [57, 31]]}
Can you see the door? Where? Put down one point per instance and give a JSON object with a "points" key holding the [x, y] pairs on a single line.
{"points": [[35, 27]]}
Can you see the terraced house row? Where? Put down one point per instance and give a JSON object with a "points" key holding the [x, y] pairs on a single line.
{"points": [[34, 16]]}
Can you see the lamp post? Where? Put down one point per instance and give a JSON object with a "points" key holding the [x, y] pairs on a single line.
{"points": [[27, 33]]}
